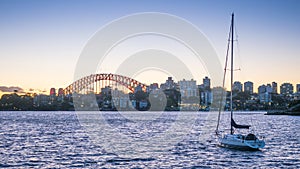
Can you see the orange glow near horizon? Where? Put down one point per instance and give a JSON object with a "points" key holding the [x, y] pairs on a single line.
{"points": [[148, 80]]}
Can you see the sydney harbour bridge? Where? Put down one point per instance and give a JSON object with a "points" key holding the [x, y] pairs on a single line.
{"points": [[94, 82], [115, 94]]}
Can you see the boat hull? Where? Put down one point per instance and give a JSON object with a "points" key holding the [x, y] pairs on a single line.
{"points": [[238, 142]]}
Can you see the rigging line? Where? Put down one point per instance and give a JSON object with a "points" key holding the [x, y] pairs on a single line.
{"points": [[223, 83], [238, 51]]}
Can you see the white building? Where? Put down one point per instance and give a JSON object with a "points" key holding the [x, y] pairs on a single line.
{"points": [[188, 88], [264, 93]]}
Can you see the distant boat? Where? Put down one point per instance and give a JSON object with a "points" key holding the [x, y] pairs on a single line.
{"points": [[232, 140]]}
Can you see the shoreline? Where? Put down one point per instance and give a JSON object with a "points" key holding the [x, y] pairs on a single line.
{"points": [[282, 112]]}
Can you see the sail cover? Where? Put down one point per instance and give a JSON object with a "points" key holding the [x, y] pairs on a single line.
{"points": [[233, 123]]}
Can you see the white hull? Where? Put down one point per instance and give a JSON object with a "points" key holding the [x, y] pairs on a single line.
{"points": [[238, 141]]}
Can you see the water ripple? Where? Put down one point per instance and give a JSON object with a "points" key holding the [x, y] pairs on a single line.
{"points": [[56, 140]]}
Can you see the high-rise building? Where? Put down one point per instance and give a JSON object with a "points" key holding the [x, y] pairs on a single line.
{"points": [[264, 93], [60, 92], [298, 88], [153, 86], [169, 83], [188, 88], [106, 90], [262, 89], [286, 89], [138, 89], [52, 92], [274, 87], [218, 97], [205, 95], [248, 87], [269, 88], [206, 83], [41, 100], [238, 86]]}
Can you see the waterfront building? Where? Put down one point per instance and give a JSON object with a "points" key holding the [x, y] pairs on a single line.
{"points": [[238, 86], [201, 87], [274, 87], [41, 100], [120, 101], [264, 93], [52, 95], [123, 102], [205, 98], [133, 103], [269, 88], [262, 89], [169, 84], [205, 92], [60, 92], [286, 89], [248, 87], [218, 97], [143, 104], [106, 90], [265, 97], [52, 92], [117, 93], [188, 88], [152, 87], [206, 83], [138, 89]]}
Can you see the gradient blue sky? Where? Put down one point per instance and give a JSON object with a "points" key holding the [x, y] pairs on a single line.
{"points": [[40, 41]]}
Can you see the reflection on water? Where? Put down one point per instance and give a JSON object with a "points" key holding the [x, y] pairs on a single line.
{"points": [[56, 139]]}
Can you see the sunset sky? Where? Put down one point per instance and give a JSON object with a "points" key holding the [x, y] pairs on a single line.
{"points": [[40, 41]]}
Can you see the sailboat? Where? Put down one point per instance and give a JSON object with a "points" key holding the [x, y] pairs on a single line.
{"points": [[233, 140]]}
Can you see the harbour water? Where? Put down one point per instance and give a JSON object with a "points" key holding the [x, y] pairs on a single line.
{"points": [[58, 140]]}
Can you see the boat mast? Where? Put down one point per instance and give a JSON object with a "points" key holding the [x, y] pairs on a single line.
{"points": [[231, 81]]}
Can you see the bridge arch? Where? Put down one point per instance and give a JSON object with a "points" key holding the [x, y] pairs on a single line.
{"points": [[86, 81]]}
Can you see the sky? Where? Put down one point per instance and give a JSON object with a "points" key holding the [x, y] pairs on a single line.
{"points": [[41, 41]]}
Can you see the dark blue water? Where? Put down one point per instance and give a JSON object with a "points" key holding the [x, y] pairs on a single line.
{"points": [[59, 140]]}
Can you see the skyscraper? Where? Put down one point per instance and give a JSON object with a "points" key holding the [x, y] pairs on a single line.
{"points": [[52, 92], [262, 89], [169, 83], [264, 93], [238, 86], [206, 83], [248, 87], [274, 87], [269, 88], [286, 89], [60, 92], [138, 89]]}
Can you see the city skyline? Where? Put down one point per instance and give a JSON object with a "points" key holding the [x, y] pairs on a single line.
{"points": [[247, 86], [181, 95], [43, 40]]}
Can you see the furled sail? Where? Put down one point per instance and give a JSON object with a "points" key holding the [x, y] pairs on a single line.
{"points": [[233, 123]]}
